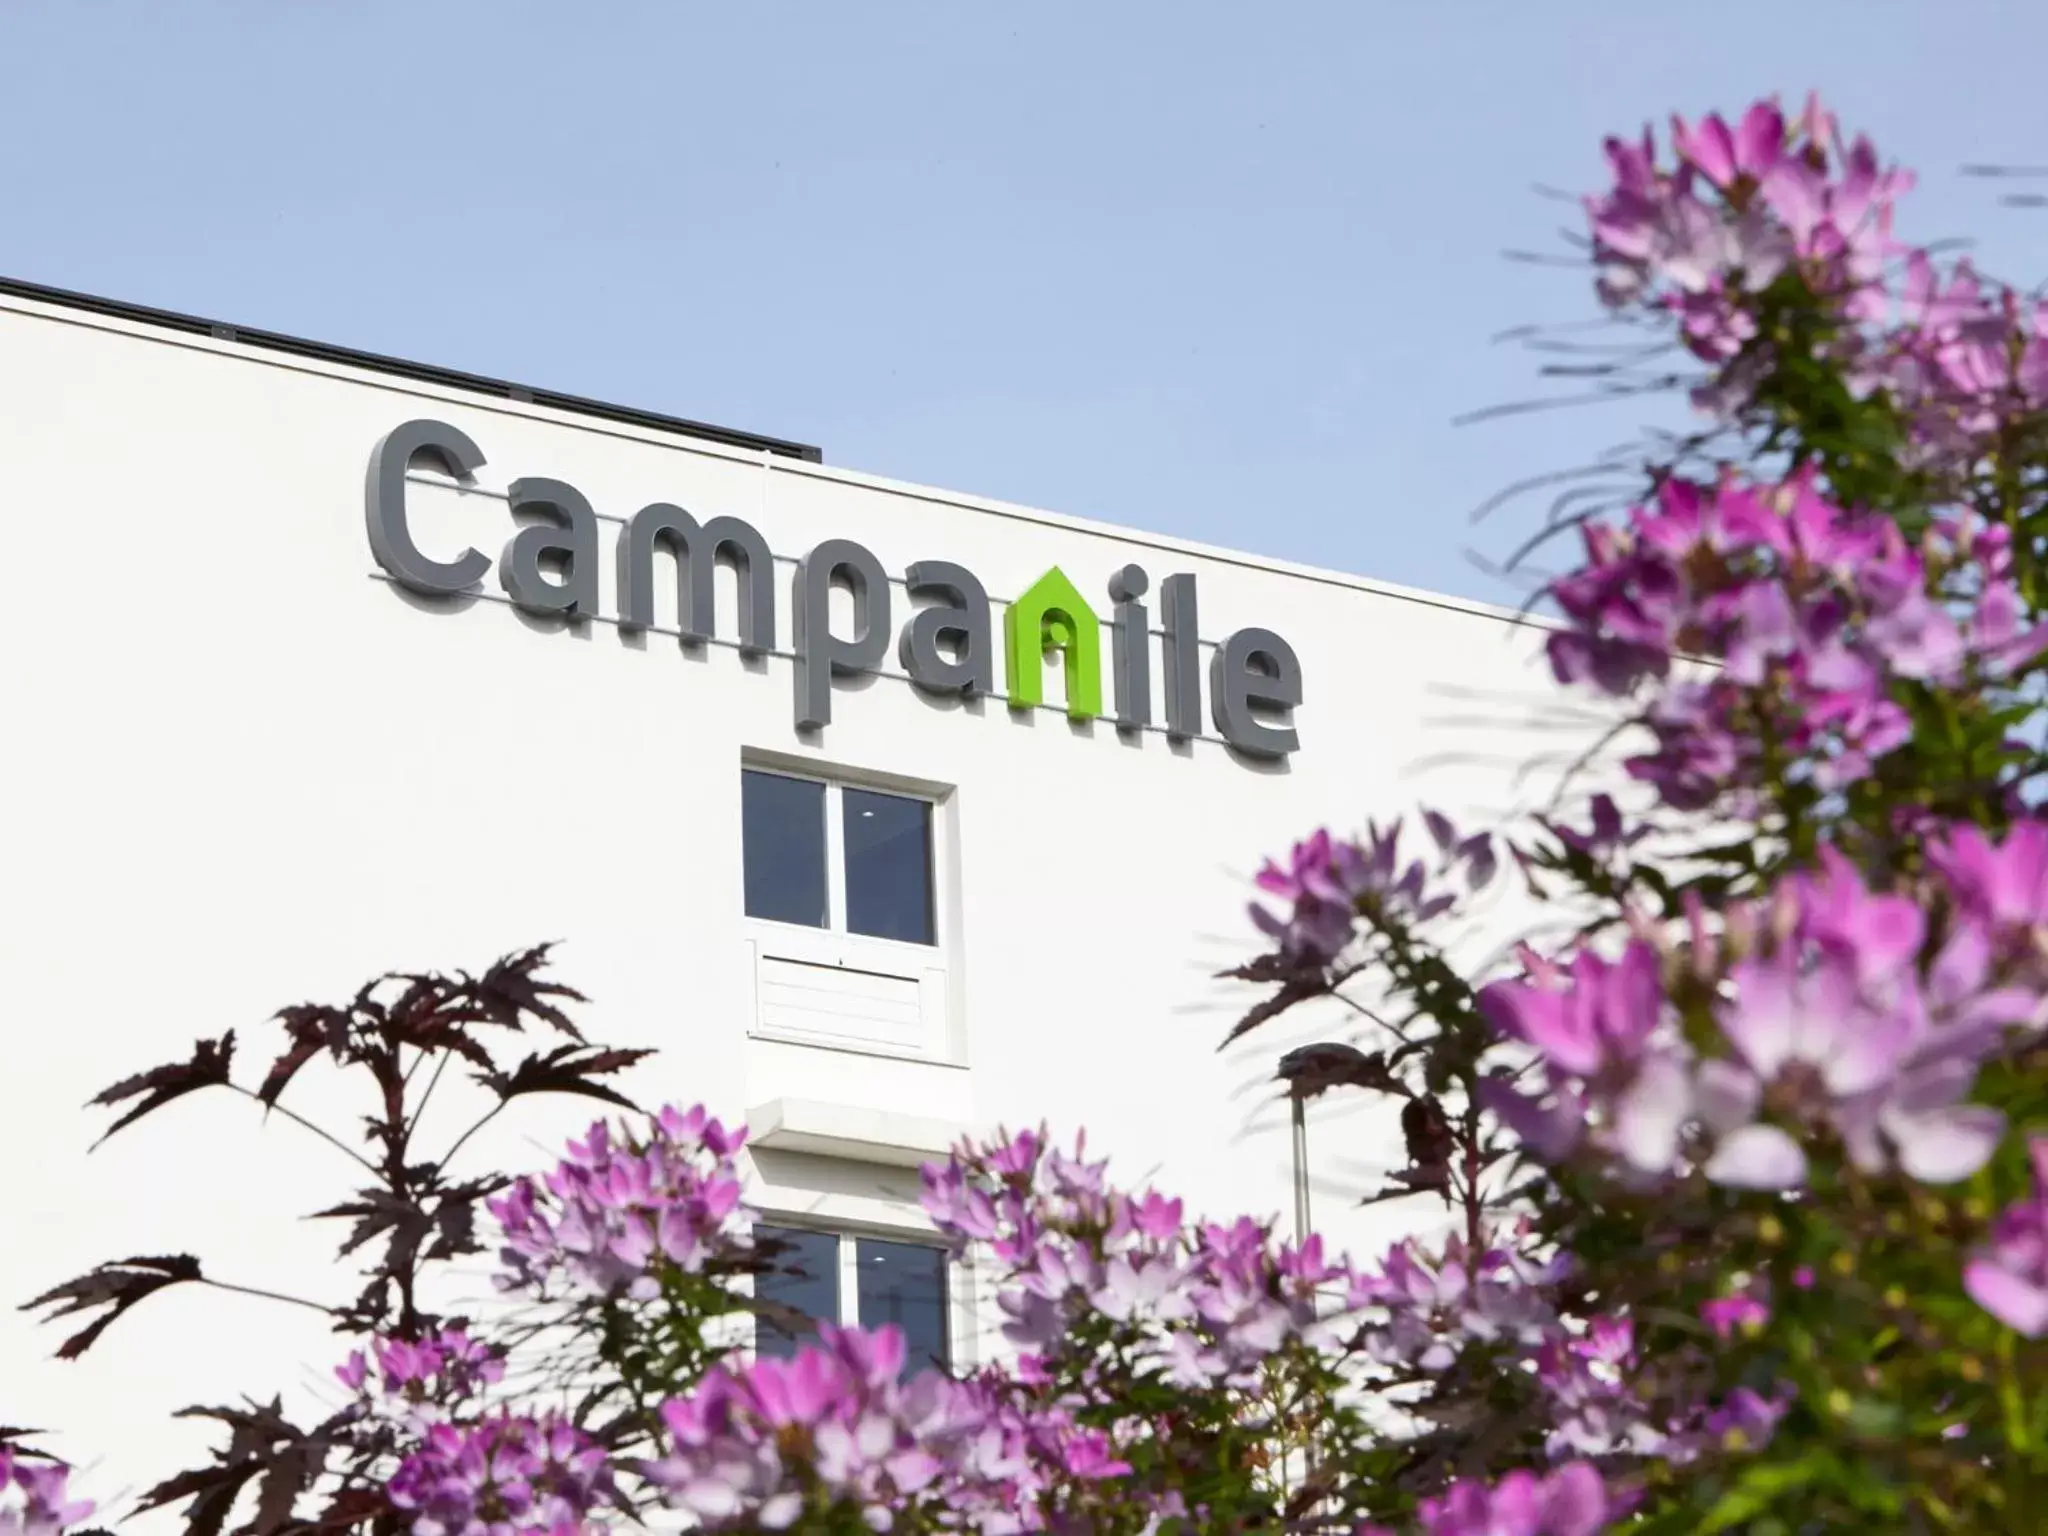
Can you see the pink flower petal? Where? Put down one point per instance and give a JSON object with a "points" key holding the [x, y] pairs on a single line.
{"points": [[1758, 1157], [1947, 1145], [2017, 1303], [1575, 1504], [1551, 1132], [1710, 147], [1544, 1019], [1762, 1021], [1650, 1113], [1725, 1095], [1760, 139]]}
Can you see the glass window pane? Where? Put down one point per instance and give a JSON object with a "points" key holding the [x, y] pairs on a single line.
{"points": [[888, 866], [782, 827], [905, 1284], [805, 1278]]}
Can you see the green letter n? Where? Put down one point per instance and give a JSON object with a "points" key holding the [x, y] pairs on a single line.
{"points": [[1051, 616]]}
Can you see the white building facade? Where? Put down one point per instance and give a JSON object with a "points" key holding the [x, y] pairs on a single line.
{"points": [[885, 814]]}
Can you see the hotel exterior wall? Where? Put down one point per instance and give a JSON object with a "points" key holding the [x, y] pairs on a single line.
{"points": [[246, 773]]}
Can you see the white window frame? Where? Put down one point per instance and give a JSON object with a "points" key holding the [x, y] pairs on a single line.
{"points": [[932, 968], [848, 1238], [836, 786]]}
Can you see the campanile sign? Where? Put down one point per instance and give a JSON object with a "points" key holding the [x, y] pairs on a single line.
{"points": [[947, 644]]}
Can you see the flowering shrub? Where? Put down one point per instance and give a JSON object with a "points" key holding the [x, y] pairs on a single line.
{"points": [[1750, 1176], [615, 1214]]}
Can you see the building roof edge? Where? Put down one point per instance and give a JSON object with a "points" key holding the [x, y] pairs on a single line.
{"points": [[426, 373]]}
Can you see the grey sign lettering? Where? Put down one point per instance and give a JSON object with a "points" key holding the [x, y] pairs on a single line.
{"points": [[448, 449], [698, 550], [820, 654], [1254, 671], [1130, 661], [564, 536], [1183, 657], [962, 619], [550, 566]]}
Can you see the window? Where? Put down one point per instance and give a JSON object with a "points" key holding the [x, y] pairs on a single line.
{"points": [[782, 821], [805, 1279], [844, 887], [829, 1277], [831, 856]]}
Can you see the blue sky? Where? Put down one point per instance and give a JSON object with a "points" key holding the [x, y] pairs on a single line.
{"points": [[1227, 271]]}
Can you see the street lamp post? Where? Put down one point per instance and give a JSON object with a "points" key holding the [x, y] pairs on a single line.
{"points": [[1310, 1071], [1299, 1107]]}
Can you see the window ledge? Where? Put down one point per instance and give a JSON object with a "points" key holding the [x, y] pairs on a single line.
{"points": [[846, 1131]]}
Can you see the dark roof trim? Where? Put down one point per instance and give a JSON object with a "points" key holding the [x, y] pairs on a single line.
{"points": [[423, 373]]}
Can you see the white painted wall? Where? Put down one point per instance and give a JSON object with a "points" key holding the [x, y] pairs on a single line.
{"points": [[242, 773]]}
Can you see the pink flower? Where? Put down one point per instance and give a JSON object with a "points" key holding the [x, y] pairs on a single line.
{"points": [[1597, 1034], [1747, 1417], [2008, 1277], [1328, 882], [2004, 884], [1156, 1217], [501, 1476], [617, 1210], [1817, 613], [1725, 156], [1834, 1017], [1791, 1012], [1572, 1501], [1604, 837], [1729, 1315], [1088, 1456], [1741, 207], [1422, 1312], [745, 1443], [41, 1504], [1845, 1028], [353, 1372], [1601, 1017], [1321, 883]]}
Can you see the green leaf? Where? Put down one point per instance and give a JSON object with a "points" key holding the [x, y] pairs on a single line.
{"points": [[1758, 1488]]}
